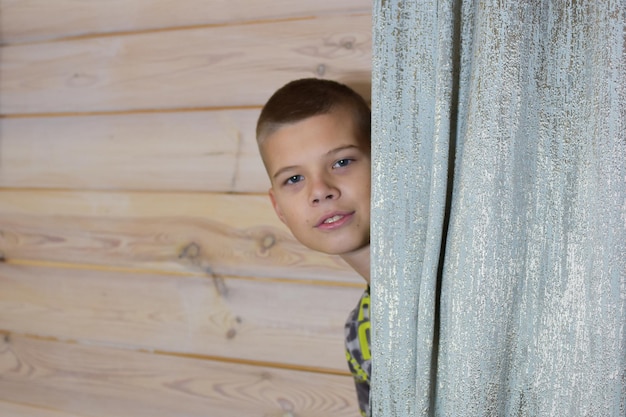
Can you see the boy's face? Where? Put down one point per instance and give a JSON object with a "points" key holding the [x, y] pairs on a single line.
{"points": [[320, 175]]}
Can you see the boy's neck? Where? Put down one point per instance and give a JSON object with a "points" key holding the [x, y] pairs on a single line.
{"points": [[359, 260]]}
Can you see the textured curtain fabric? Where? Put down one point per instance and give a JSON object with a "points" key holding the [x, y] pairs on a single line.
{"points": [[499, 208]]}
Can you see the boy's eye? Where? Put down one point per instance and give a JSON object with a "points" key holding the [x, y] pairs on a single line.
{"points": [[342, 163], [294, 179]]}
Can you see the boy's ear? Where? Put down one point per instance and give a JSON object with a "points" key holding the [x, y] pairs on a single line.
{"points": [[277, 209]]}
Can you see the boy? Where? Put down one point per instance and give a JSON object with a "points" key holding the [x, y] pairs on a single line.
{"points": [[314, 139]]}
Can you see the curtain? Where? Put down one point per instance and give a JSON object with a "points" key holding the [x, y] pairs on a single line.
{"points": [[499, 208]]}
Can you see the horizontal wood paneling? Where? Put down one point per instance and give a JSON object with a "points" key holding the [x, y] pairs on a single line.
{"points": [[191, 151], [231, 318], [143, 271], [104, 381], [205, 234], [210, 67], [8, 409], [31, 20]]}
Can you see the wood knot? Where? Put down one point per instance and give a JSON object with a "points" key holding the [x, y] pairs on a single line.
{"points": [[268, 242], [231, 333], [220, 286], [82, 80], [191, 251]]}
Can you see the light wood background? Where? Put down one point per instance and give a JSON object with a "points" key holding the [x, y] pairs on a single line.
{"points": [[142, 269]]}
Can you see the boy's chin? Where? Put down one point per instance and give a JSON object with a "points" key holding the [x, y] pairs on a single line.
{"points": [[343, 250]]}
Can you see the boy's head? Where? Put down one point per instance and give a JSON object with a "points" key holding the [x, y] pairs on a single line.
{"points": [[301, 99], [314, 138]]}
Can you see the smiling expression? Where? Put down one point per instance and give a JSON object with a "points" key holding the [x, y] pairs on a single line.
{"points": [[320, 175]]}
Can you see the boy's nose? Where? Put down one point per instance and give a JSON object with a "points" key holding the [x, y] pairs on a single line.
{"points": [[322, 190]]}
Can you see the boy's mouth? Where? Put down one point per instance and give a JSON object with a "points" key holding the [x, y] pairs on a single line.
{"points": [[334, 220]]}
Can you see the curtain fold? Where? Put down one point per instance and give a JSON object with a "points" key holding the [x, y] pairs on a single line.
{"points": [[499, 208]]}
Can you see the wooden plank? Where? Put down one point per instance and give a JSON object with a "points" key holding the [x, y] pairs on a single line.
{"points": [[205, 234], [198, 68], [33, 20], [192, 151], [292, 325], [19, 410], [101, 382]]}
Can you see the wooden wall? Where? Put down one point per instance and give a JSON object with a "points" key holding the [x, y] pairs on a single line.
{"points": [[142, 269]]}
